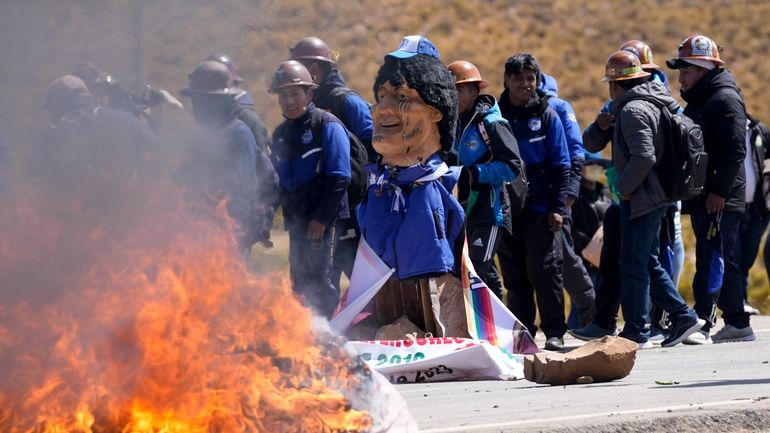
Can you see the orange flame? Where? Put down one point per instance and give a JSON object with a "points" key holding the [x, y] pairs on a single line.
{"points": [[144, 322]]}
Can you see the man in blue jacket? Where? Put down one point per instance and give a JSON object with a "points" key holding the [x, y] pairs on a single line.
{"points": [[489, 155], [352, 110], [314, 171], [577, 282], [531, 259]]}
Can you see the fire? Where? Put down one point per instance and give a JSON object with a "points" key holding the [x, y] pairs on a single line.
{"points": [[141, 318]]}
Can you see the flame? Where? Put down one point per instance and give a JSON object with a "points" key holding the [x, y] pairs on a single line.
{"points": [[142, 319]]}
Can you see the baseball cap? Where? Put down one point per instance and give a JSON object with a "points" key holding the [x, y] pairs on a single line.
{"points": [[414, 45]]}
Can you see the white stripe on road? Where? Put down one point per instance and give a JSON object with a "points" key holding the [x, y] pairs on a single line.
{"points": [[683, 407]]}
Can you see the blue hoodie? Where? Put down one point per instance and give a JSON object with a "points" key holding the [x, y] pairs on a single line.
{"points": [[572, 131]]}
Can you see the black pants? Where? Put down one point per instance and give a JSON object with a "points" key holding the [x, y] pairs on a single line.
{"points": [[348, 235], [577, 282], [310, 266], [483, 243], [531, 262]]}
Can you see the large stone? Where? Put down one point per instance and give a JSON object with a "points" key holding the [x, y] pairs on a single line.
{"points": [[399, 330], [603, 360]]}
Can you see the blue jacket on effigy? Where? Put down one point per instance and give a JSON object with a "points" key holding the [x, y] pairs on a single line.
{"points": [[411, 220]]}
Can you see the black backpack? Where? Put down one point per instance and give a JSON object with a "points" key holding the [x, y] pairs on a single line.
{"points": [[359, 179], [336, 100], [684, 162]]}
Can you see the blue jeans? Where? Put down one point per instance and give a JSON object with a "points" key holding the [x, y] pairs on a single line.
{"points": [[717, 280], [641, 275]]}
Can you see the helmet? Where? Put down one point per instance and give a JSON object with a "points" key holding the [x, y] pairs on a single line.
{"points": [[313, 48], [466, 72], [291, 73], [63, 91], [641, 50], [696, 48], [623, 65], [227, 61], [210, 78]]}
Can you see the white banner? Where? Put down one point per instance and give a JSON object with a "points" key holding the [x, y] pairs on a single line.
{"points": [[438, 360]]}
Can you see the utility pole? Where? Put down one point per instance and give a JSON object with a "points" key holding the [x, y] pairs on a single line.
{"points": [[139, 45]]}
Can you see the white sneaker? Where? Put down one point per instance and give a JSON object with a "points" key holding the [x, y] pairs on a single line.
{"points": [[730, 334], [698, 338], [646, 345], [748, 309]]}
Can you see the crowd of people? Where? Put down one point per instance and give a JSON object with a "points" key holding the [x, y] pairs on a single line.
{"points": [[532, 192]]}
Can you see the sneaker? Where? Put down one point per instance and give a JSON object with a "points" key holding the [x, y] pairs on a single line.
{"points": [[681, 330], [657, 335], [730, 334], [554, 343], [748, 309], [697, 338], [592, 332], [646, 345]]}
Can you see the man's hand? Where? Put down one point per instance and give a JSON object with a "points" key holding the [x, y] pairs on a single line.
{"points": [[715, 203], [604, 120], [315, 231], [555, 221]]}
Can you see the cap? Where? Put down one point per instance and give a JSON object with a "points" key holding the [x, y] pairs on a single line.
{"points": [[414, 45]]}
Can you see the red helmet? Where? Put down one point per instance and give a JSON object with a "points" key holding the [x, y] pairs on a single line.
{"points": [[641, 50], [467, 72], [696, 48], [227, 61], [291, 73], [313, 48], [623, 65], [210, 78]]}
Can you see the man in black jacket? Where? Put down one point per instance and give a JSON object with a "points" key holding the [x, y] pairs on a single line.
{"points": [[714, 103]]}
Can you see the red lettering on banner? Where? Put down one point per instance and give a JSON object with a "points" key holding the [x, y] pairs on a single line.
{"points": [[447, 340], [408, 343], [421, 342]]}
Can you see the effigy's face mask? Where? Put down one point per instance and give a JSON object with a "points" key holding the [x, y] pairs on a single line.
{"points": [[405, 127]]}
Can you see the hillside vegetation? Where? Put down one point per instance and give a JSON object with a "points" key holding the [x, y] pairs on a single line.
{"points": [[159, 42]]}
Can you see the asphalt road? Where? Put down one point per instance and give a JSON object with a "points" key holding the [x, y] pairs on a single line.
{"points": [[715, 388]]}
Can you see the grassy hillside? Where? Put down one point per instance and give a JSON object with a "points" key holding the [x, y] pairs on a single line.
{"points": [[162, 40]]}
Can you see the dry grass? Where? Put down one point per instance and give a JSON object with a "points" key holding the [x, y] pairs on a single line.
{"points": [[44, 39]]}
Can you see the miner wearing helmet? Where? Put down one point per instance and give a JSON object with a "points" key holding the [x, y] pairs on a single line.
{"points": [[714, 103], [335, 96], [489, 155], [637, 144], [597, 135], [332, 93], [531, 259], [223, 159], [245, 109], [311, 153]]}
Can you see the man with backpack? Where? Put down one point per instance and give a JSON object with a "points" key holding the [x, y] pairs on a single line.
{"points": [[489, 155], [353, 111], [638, 142], [714, 103], [311, 153], [531, 258]]}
